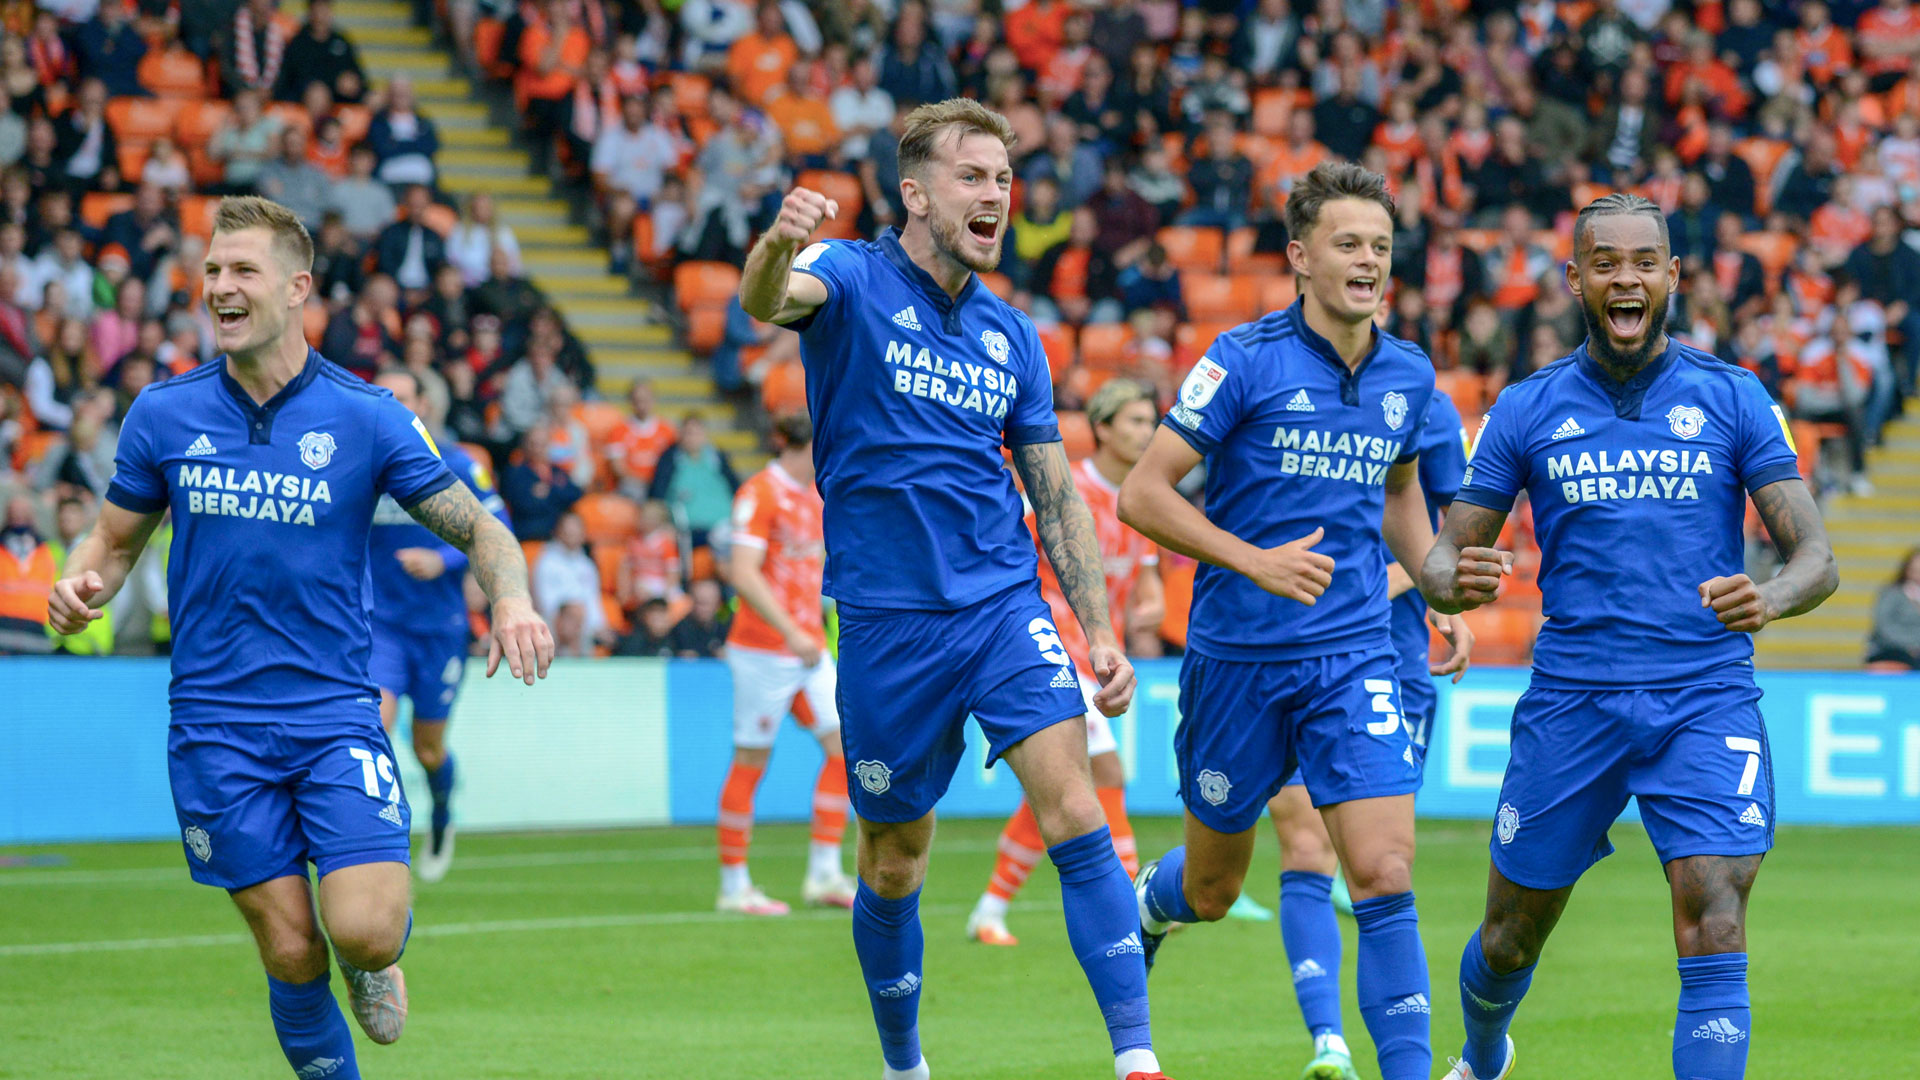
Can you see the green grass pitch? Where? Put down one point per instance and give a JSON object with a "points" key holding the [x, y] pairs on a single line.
{"points": [[597, 955]]}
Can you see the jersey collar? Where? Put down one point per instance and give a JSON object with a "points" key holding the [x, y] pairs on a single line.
{"points": [[1626, 396], [260, 417], [947, 306], [1092, 473], [1322, 348]]}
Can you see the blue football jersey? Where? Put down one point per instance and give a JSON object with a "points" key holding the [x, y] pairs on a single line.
{"points": [[1443, 460], [403, 605], [267, 576], [1293, 441], [1639, 494], [913, 394]]}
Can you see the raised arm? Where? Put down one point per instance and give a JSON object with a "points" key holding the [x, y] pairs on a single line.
{"points": [[1463, 570], [1150, 503], [1066, 533], [769, 289], [500, 568], [1808, 577], [98, 566]]}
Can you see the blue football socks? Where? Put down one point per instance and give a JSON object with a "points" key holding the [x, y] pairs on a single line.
{"points": [[313, 1033], [1166, 892], [440, 787], [1392, 985], [1488, 1001], [1714, 1025], [1103, 927], [1311, 933], [888, 939]]}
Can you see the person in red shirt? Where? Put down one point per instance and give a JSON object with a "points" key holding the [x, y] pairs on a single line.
{"points": [[634, 450], [1036, 31], [777, 649], [1123, 416], [1889, 40], [553, 56]]}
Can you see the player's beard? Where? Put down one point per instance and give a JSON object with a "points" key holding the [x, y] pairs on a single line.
{"points": [[951, 238], [1600, 346]]}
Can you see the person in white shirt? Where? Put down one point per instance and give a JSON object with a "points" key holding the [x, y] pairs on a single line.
{"points": [[566, 586], [65, 262], [471, 244], [711, 27], [862, 108], [634, 156]]}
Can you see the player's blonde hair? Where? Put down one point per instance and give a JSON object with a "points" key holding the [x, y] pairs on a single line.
{"points": [[290, 239], [1114, 395], [928, 125]]}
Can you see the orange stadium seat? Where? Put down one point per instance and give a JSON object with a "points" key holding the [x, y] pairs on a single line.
{"points": [[1468, 389], [196, 214], [1242, 259], [478, 453], [1221, 297], [706, 328], [292, 115], [97, 206], [532, 549], [488, 36], [785, 389], [702, 566], [602, 419], [1059, 343], [1480, 240], [1775, 250], [610, 519], [1272, 108], [607, 558], [1277, 292], [132, 159], [198, 120], [313, 321], [142, 119], [1106, 345], [1191, 248], [998, 284], [174, 73], [1192, 340], [704, 284], [1503, 634], [617, 620], [1082, 381], [690, 90], [1075, 433]]}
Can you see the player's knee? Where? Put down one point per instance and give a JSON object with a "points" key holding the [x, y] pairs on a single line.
{"points": [[1212, 899], [429, 749], [1718, 931], [1510, 942], [369, 942], [1305, 847], [293, 957], [1385, 873], [1072, 814]]}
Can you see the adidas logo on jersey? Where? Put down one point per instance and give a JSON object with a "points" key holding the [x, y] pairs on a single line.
{"points": [[1064, 680], [908, 985], [906, 318], [1308, 969], [1414, 1004], [201, 447], [1568, 429], [390, 814], [1129, 944], [1752, 816], [1720, 1030], [1300, 403]]}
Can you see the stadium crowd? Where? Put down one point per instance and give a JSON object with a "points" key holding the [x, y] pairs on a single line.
{"points": [[1158, 143]]}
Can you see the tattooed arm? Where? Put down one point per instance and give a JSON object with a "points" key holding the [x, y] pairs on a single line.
{"points": [[1809, 576], [1066, 532], [519, 634], [1463, 570]]}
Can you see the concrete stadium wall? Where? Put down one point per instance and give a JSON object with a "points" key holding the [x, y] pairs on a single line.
{"points": [[645, 742]]}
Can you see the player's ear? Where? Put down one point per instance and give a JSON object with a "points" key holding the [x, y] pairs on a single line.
{"points": [[1673, 274], [1297, 258], [913, 195], [1573, 277], [299, 287]]}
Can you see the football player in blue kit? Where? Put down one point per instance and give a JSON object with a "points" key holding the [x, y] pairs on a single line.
{"points": [[420, 622], [271, 460], [1308, 421], [1638, 455], [917, 376], [1309, 928]]}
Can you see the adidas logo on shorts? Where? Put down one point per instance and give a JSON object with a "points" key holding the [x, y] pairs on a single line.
{"points": [[908, 985], [1720, 1030], [1417, 1003], [1065, 680], [1308, 969], [1752, 816], [390, 814]]}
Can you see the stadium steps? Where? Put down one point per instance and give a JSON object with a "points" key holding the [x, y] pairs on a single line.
{"points": [[623, 334], [1870, 535]]}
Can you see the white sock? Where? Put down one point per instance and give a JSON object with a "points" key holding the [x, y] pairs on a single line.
{"points": [[1147, 922], [1330, 1041], [734, 880], [823, 860], [991, 907], [1128, 1062], [918, 1072]]}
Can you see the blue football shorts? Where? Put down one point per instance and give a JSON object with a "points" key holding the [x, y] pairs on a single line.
{"points": [[424, 669], [1418, 700], [1695, 757], [1244, 725], [909, 679], [258, 800]]}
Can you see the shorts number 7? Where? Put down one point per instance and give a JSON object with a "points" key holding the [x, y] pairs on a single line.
{"points": [[1751, 748], [373, 770]]}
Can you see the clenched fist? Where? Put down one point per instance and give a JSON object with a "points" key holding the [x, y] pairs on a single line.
{"points": [[1476, 577], [1736, 602], [1294, 570], [801, 212]]}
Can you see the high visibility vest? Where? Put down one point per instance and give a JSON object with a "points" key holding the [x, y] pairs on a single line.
{"points": [[97, 638], [25, 585]]}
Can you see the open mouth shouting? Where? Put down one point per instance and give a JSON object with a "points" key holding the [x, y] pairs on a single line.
{"points": [[231, 318], [1363, 290], [985, 228], [1627, 317]]}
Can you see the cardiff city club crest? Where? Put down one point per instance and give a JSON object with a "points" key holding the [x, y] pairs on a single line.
{"points": [[1395, 406], [316, 449], [1686, 421], [997, 345], [874, 776], [198, 842], [1214, 786]]}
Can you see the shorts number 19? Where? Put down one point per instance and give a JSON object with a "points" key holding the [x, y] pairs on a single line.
{"points": [[373, 770]]}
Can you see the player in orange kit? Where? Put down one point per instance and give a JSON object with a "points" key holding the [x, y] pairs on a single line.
{"points": [[777, 650], [1123, 416]]}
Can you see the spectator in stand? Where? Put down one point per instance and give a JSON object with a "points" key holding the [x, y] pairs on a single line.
{"points": [[1729, 177], [1154, 180], [244, 143], [1889, 43], [553, 56], [1694, 228], [1809, 181], [1624, 139], [739, 166], [320, 54], [506, 294], [451, 310], [530, 385], [337, 262], [1222, 181], [149, 232], [329, 150], [805, 121], [757, 63], [1834, 381], [479, 234], [26, 580], [84, 139], [365, 205], [1075, 283], [1516, 263], [403, 141], [1888, 270], [650, 568], [62, 372], [360, 337], [256, 48], [295, 182], [634, 156], [409, 250], [861, 108], [65, 261], [1264, 44], [702, 635], [165, 168], [710, 27], [634, 450], [1895, 637], [913, 68], [1742, 279], [1346, 120], [1152, 282], [117, 330], [1127, 221], [652, 633], [1073, 165], [109, 48], [536, 491], [569, 447], [697, 482], [567, 585]]}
